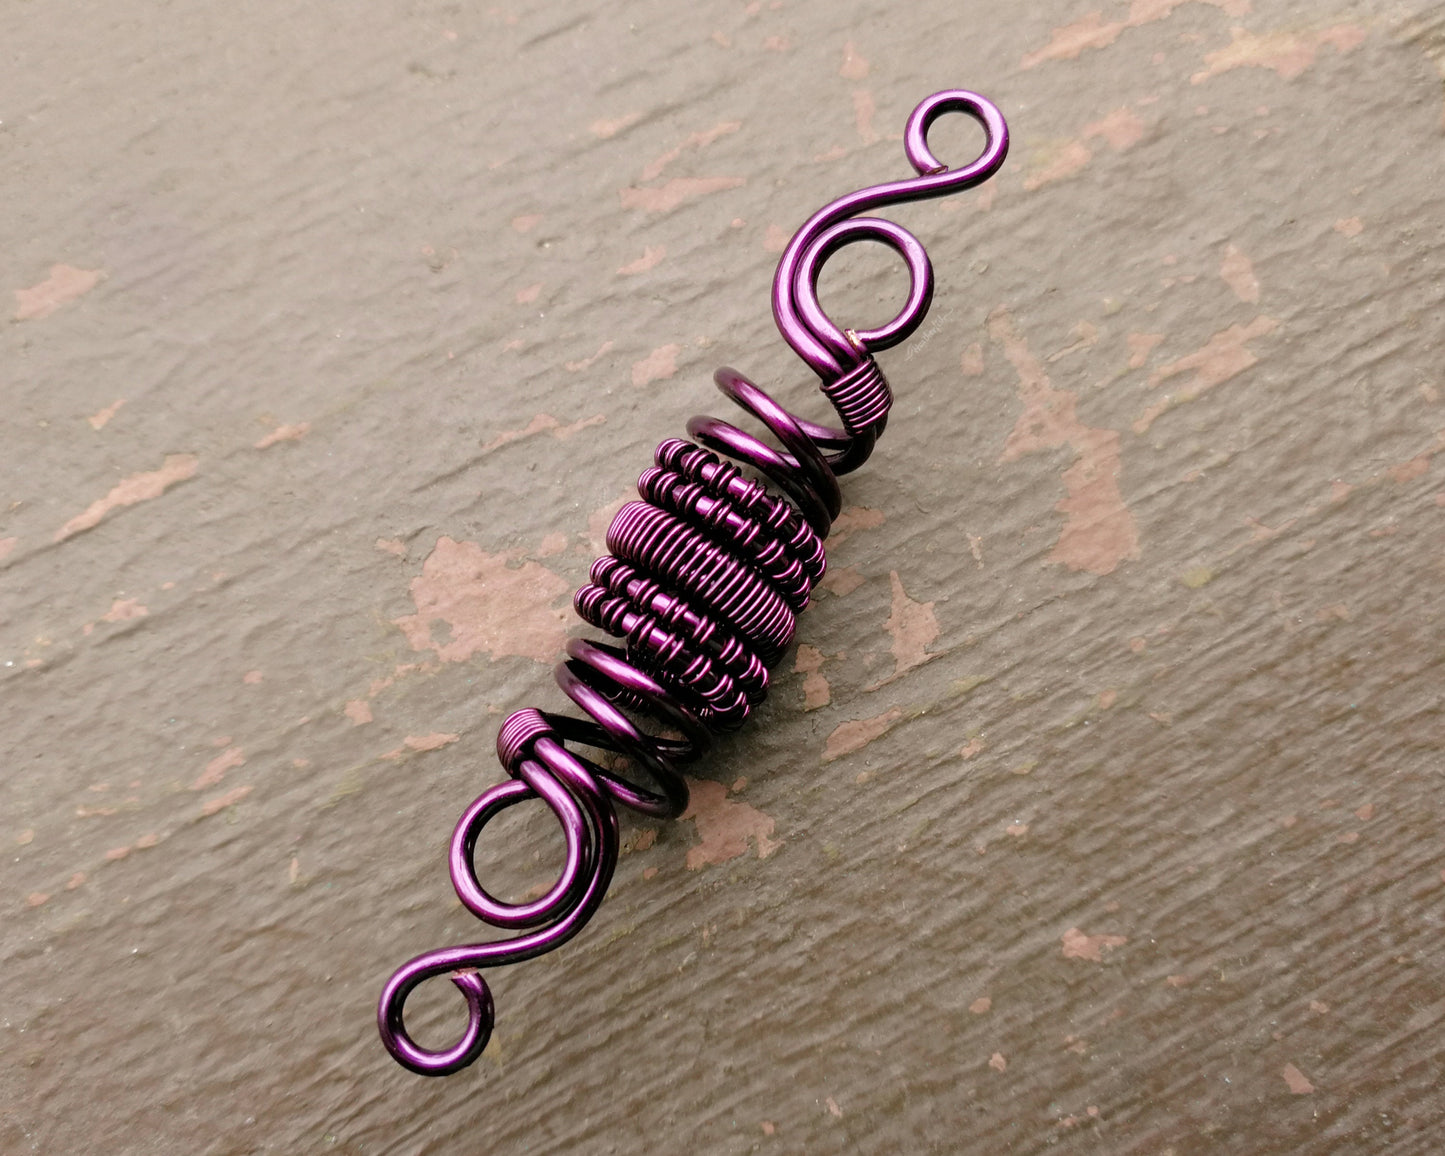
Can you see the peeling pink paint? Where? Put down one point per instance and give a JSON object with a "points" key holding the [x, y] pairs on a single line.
{"points": [[1099, 531], [136, 488], [1226, 355], [816, 692], [971, 748], [1237, 271], [358, 710], [658, 365], [725, 826], [1071, 40], [854, 66], [430, 742], [221, 802], [589, 362], [997, 1062], [284, 433], [777, 44], [851, 520], [679, 190], [65, 284], [101, 417], [912, 626], [842, 581], [394, 546], [863, 113], [7, 545], [981, 1005], [775, 239], [253, 678], [857, 734], [1140, 346], [1060, 160], [544, 423], [1349, 226], [697, 140], [529, 294], [1296, 1081], [610, 128], [971, 363], [1287, 53], [216, 769], [124, 610], [649, 260], [1077, 945], [1122, 129], [526, 222], [488, 605]]}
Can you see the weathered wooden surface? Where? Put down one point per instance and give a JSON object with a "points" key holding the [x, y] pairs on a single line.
{"points": [[1101, 810]]}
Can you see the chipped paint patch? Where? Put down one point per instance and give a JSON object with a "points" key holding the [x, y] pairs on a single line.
{"points": [[124, 610], [1140, 346], [863, 113], [1099, 531], [697, 140], [851, 520], [1093, 32], [1349, 226], [589, 362], [649, 260], [358, 710], [726, 826], [997, 1062], [912, 626], [855, 65], [284, 433], [546, 423], [65, 284], [216, 769], [489, 606], [678, 191], [136, 488], [221, 802], [1285, 52], [658, 365], [101, 417], [393, 546], [1297, 1082], [842, 581], [6, 546], [1077, 945], [605, 129], [421, 743], [816, 692], [1237, 271], [526, 222], [855, 735], [1224, 356], [1121, 129], [1058, 160]]}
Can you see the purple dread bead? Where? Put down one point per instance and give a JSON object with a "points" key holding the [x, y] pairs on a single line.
{"points": [[705, 577]]}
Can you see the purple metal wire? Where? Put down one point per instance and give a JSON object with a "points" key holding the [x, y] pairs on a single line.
{"points": [[705, 577]]}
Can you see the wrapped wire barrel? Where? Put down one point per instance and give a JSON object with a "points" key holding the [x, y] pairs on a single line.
{"points": [[706, 575]]}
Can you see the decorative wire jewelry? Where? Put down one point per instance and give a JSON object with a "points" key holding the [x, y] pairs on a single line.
{"points": [[704, 579]]}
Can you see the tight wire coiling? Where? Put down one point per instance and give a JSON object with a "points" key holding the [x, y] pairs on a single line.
{"points": [[705, 577]]}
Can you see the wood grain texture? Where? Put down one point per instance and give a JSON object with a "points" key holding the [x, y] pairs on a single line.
{"points": [[1101, 812]]}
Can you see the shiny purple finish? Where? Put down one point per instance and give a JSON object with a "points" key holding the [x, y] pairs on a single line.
{"points": [[705, 577]]}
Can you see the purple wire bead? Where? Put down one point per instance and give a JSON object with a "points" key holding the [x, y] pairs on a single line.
{"points": [[705, 577]]}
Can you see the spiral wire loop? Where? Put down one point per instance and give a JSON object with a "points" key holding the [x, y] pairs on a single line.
{"points": [[703, 582]]}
